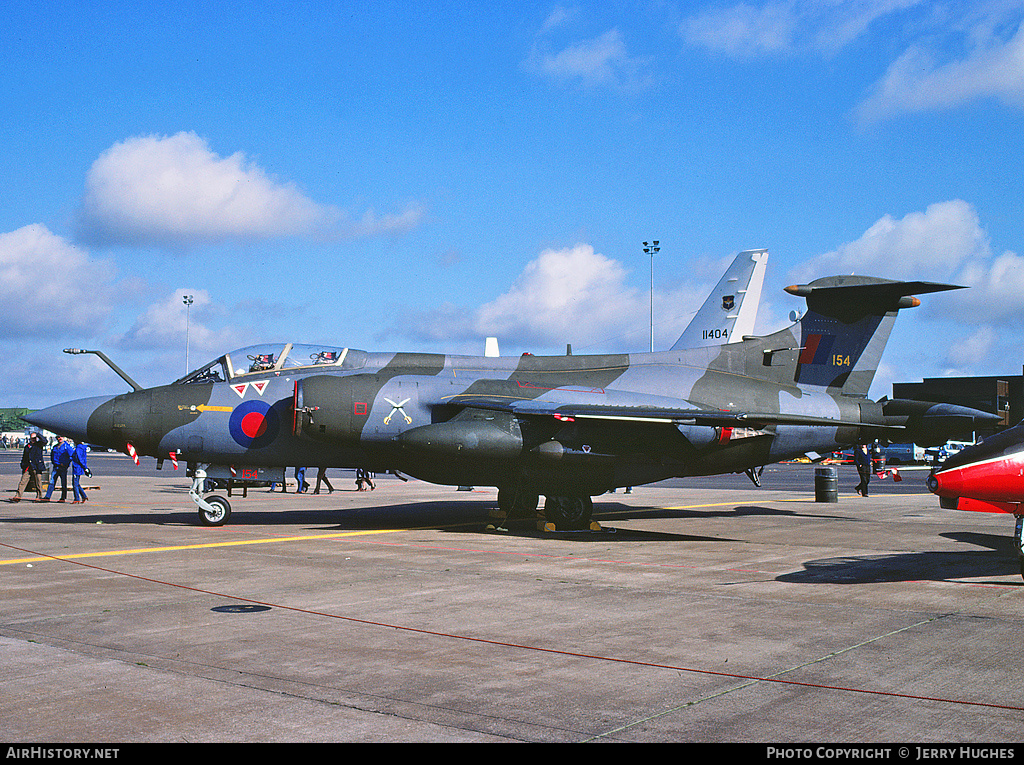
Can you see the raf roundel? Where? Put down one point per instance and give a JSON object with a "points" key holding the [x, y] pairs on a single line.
{"points": [[253, 424]]}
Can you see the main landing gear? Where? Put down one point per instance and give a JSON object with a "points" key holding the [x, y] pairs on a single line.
{"points": [[569, 513], [563, 513], [213, 510]]}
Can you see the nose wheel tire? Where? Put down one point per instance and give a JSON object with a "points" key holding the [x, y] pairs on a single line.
{"points": [[216, 513]]}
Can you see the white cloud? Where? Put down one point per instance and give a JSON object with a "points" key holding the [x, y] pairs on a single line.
{"points": [[963, 354], [962, 53], [602, 60], [994, 68], [54, 289], [162, 331], [996, 291], [175, 191], [929, 245], [743, 30], [556, 18], [163, 323], [946, 243], [748, 30], [573, 295], [558, 295]]}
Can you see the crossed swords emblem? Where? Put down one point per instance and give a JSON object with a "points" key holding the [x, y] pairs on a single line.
{"points": [[397, 408]]}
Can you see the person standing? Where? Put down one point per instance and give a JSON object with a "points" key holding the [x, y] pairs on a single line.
{"points": [[862, 459], [79, 467], [363, 480], [32, 467], [321, 475], [60, 458]]}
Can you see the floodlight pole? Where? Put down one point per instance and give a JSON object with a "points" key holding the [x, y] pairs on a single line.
{"points": [[187, 300], [652, 248]]}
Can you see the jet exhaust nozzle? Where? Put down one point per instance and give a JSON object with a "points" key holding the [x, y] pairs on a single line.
{"points": [[931, 424]]}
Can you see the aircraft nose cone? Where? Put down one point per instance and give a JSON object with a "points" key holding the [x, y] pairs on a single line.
{"points": [[69, 419]]}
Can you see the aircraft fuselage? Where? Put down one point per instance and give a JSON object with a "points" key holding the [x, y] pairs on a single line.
{"points": [[414, 413]]}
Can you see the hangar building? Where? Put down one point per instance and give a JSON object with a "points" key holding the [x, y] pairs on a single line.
{"points": [[1002, 394]]}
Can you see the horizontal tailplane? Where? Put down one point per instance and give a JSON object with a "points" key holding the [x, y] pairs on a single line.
{"points": [[847, 325]]}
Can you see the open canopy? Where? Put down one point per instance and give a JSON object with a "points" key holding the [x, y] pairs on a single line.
{"points": [[274, 359]]}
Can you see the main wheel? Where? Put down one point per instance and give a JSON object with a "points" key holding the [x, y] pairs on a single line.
{"points": [[220, 513], [569, 513]]}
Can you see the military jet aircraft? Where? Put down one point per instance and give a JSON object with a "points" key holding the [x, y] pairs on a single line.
{"points": [[987, 477], [566, 427]]}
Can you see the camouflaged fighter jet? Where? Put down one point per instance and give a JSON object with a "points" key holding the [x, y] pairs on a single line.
{"points": [[566, 427]]}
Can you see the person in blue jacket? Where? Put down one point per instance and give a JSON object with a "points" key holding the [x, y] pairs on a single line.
{"points": [[33, 466], [60, 459], [79, 467]]}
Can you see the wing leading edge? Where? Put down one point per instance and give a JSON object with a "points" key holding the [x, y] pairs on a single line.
{"points": [[684, 414]]}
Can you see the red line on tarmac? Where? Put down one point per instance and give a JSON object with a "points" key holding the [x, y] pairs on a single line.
{"points": [[522, 647]]}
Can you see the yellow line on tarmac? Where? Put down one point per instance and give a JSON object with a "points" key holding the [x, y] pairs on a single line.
{"points": [[337, 535], [236, 543]]}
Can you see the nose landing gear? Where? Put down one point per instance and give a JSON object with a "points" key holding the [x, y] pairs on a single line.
{"points": [[213, 510], [1018, 538]]}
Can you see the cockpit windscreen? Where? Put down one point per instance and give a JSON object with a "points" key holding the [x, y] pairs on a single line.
{"points": [[275, 359]]}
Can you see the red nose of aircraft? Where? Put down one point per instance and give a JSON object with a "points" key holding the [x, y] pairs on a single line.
{"points": [[991, 471], [69, 419], [995, 480]]}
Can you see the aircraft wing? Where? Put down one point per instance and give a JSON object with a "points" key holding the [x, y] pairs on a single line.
{"points": [[684, 414]]}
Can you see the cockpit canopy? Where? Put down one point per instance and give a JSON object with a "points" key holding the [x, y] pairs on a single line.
{"points": [[274, 359]]}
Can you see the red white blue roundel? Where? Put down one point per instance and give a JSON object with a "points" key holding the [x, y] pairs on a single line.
{"points": [[254, 424]]}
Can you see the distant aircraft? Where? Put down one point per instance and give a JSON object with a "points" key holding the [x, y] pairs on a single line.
{"points": [[987, 477], [728, 314], [566, 427]]}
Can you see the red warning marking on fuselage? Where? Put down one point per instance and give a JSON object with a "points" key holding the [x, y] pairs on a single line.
{"points": [[260, 386], [240, 389]]}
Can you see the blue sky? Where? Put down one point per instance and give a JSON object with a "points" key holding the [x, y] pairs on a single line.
{"points": [[419, 176]]}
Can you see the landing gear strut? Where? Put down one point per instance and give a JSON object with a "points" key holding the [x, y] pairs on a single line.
{"points": [[517, 502], [1018, 538], [755, 475], [213, 510]]}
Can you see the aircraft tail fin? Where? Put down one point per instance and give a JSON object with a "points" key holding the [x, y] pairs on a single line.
{"points": [[846, 327], [730, 310]]}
